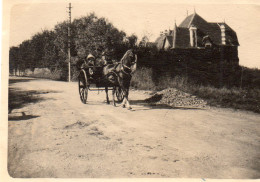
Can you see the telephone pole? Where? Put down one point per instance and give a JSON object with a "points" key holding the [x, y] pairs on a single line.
{"points": [[69, 58]]}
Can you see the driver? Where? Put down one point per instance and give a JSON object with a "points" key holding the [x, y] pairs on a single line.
{"points": [[107, 57]]}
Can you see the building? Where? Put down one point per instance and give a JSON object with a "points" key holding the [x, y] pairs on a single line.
{"points": [[196, 33]]}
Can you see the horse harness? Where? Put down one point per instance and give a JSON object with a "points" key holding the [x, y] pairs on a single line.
{"points": [[123, 67]]}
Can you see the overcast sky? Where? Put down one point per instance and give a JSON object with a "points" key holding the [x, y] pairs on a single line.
{"points": [[143, 18]]}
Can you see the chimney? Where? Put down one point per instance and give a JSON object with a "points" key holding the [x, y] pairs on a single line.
{"points": [[223, 34], [174, 35], [193, 36]]}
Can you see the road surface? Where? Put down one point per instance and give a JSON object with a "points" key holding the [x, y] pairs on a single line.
{"points": [[52, 134]]}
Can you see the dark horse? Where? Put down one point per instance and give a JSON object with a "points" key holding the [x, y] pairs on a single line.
{"points": [[120, 74]]}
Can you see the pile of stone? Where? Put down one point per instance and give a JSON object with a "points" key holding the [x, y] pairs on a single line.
{"points": [[177, 98]]}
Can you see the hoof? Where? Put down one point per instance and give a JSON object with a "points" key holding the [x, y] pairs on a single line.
{"points": [[129, 108], [123, 106], [108, 102]]}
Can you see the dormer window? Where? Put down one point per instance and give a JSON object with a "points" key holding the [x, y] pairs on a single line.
{"points": [[208, 45], [206, 41]]}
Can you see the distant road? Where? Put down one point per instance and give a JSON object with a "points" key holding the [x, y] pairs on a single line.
{"points": [[52, 134]]}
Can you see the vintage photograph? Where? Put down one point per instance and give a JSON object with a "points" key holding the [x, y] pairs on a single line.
{"points": [[133, 89]]}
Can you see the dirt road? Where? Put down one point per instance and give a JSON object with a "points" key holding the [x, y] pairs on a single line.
{"points": [[52, 134]]}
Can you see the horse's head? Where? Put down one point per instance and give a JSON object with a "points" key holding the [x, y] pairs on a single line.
{"points": [[129, 61], [130, 58]]}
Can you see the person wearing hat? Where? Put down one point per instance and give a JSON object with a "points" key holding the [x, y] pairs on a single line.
{"points": [[88, 64], [107, 57]]}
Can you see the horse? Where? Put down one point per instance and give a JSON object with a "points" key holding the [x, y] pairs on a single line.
{"points": [[119, 75]]}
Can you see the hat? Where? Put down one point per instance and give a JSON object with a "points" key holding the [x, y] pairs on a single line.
{"points": [[90, 56]]}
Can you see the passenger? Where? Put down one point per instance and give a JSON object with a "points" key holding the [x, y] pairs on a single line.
{"points": [[90, 60], [89, 64]]}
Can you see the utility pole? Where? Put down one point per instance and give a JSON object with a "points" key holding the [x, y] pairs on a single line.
{"points": [[69, 58]]}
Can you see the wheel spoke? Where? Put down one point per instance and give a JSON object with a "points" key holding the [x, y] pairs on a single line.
{"points": [[83, 88], [82, 92]]}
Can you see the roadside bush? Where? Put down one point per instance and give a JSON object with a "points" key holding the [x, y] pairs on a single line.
{"points": [[180, 82], [54, 74], [247, 99], [142, 79]]}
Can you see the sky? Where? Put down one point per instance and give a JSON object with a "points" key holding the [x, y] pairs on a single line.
{"points": [[142, 18]]}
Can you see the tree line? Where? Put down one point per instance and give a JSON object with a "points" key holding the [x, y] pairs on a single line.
{"points": [[49, 48], [90, 34]]}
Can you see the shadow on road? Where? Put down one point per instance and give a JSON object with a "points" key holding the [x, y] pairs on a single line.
{"points": [[21, 116], [19, 98], [13, 80]]}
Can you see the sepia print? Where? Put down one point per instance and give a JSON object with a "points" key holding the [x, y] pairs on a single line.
{"points": [[133, 89]]}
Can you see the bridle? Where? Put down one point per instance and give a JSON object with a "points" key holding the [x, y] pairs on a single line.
{"points": [[126, 69]]}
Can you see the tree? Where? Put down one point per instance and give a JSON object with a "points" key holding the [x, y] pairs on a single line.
{"points": [[94, 34], [132, 40], [26, 56], [13, 60], [49, 48], [144, 41]]}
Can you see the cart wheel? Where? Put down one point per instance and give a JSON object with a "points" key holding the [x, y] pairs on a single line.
{"points": [[83, 87], [119, 94]]}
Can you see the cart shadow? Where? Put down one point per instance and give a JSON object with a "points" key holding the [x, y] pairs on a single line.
{"points": [[96, 103]]}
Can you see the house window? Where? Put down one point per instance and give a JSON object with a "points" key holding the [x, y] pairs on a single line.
{"points": [[206, 41], [208, 44]]}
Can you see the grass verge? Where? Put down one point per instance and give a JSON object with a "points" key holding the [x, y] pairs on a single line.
{"points": [[245, 99]]}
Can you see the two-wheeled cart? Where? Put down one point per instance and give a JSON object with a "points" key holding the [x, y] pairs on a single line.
{"points": [[92, 79]]}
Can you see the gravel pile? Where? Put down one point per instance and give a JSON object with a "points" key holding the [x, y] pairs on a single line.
{"points": [[177, 98]]}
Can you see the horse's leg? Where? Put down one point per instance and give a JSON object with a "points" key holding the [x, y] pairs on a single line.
{"points": [[121, 85], [127, 101], [113, 93], [106, 89], [124, 97]]}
